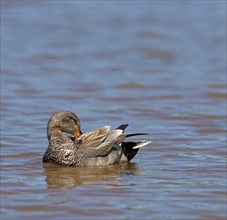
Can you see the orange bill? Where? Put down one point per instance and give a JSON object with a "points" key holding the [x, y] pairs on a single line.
{"points": [[77, 134]]}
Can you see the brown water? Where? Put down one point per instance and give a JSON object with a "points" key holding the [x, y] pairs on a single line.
{"points": [[158, 65]]}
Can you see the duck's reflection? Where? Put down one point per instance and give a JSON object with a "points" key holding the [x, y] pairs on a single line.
{"points": [[69, 177]]}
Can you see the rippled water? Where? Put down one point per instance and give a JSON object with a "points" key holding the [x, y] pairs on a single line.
{"points": [[158, 65]]}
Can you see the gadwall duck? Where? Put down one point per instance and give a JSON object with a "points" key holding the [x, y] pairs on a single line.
{"points": [[98, 147]]}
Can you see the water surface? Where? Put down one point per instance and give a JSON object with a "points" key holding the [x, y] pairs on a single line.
{"points": [[158, 65]]}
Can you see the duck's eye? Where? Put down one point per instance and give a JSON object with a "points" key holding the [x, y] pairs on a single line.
{"points": [[74, 120]]}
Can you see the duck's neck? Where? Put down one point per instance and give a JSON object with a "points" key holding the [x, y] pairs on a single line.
{"points": [[53, 132]]}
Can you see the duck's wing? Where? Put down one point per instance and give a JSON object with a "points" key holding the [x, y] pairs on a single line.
{"points": [[100, 142], [113, 135], [95, 137], [102, 150]]}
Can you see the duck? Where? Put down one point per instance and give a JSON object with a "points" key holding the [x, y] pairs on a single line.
{"points": [[99, 147]]}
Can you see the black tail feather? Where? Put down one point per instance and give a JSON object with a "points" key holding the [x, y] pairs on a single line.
{"points": [[128, 150], [122, 127], [136, 134]]}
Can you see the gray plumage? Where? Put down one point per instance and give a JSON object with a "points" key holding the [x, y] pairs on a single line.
{"points": [[98, 147]]}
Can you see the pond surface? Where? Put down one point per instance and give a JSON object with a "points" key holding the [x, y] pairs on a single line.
{"points": [[158, 65]]}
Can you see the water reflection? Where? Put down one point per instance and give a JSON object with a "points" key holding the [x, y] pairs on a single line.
{"points": [[70, 177]]}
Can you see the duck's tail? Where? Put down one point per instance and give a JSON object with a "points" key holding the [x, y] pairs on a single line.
{"points": [[124, 126], [130, 148], [136, 134]]}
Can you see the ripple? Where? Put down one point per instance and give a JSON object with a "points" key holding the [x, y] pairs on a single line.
{"points": [[115, 62]]}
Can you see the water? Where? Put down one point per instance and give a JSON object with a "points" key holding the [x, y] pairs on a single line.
{"points": [[158, 65]]}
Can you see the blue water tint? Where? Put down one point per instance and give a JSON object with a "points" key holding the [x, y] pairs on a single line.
{"points": [[158, 65]]}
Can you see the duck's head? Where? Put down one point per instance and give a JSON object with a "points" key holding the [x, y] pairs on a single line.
{"points": [[64, 121]]}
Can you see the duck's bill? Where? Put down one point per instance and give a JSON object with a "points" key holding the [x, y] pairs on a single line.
{"points": [[77, 134]]}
